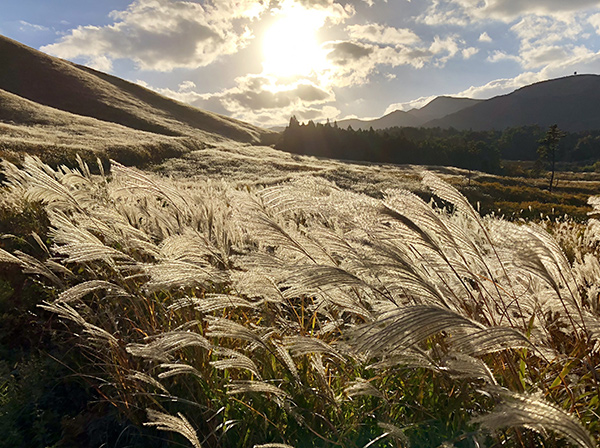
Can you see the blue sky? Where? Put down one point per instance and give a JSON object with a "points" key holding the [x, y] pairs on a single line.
{"points": [[263, 61]]}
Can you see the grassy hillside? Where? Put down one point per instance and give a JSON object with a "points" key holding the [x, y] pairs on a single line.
{"points": [[80, 107], [234, 295], [80, 90], [58, 136]]}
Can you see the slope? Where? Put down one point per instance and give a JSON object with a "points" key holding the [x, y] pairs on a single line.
{"points": [[57, 136], [571, 102], [62, 85]]}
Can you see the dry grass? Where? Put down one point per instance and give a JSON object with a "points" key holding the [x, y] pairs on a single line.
{"points": [[65, 86], [304, 314]]}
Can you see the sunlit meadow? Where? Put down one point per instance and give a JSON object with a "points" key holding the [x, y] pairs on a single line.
{"points": [[301, 314]]}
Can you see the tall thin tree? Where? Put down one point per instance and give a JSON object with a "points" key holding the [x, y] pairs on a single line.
{"points": [[549, 147]]}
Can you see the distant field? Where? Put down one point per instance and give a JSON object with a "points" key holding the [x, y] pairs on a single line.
{"points": [[513, 197]]}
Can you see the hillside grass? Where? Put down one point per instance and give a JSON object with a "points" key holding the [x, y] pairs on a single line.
{"points": [[82, 91], [291, 312]]}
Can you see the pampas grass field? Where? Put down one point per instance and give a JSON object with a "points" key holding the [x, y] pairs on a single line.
{"points": [[295, 313]]}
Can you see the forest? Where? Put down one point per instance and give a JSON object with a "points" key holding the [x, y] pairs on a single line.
{"points": [[473, 150]]}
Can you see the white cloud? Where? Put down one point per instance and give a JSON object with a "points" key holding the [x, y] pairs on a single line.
{"points": [[450, 46], [336, 12], [498, 56], [100, 63], [164, 34], [543, 56], [261, 100], [353, 62], [408, 105], [594, 20], [444, 13], [536, 30], [509, 10], [484, 37], [501, 86], [467, 53], [376, 33], [27, 27]]}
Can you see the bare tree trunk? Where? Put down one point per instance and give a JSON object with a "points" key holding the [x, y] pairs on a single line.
{"points": [[552, 172]]}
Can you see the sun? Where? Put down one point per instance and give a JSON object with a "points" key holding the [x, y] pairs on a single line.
{"points": [[291, 47]]}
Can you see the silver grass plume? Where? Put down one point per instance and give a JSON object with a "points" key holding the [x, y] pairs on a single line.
{"points": [[407, 357], [144, 378], [242, 387], [31, 265], [489, 340], [42, 183], [134, 179], [7, 257], [178, 424], [95, 333], [80, 245], [161, 347], [537, 414], [277, 232], [459, 365], [361, 387], [448, 193], [173, 274], [173, 369], [80, 290], [316, 362], [219, 327], [234, 360], [394, 432], [407, 326], [303, 345], [214, 302], [284, 356]]}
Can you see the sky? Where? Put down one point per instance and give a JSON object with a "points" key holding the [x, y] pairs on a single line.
{"points": [[263, 61]]}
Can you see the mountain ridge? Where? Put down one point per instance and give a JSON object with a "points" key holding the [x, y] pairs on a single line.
{"points": [[571, 102], [437, 108]]}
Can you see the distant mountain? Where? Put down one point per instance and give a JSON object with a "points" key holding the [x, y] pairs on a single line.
{"points": [[572, 102], [396, 118], [442, 106], [75, 104], [437, 108]]}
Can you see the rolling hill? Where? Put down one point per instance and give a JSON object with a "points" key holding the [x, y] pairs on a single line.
{"points": [[48, 104]]}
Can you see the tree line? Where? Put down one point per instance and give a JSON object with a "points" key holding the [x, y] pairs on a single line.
{"points": [[477, 150]]}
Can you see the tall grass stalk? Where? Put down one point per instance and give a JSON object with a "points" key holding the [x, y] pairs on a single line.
{"points": [[304, 315]]}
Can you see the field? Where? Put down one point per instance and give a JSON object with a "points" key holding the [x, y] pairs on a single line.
{"points": [[240, 296]]}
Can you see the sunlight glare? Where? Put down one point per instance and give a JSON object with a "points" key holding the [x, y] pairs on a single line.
{"points": [[290, 46]]}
